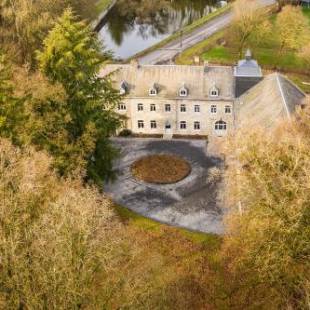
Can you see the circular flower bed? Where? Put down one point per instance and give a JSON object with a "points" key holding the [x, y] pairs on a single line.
{"points": [[161, 169]]}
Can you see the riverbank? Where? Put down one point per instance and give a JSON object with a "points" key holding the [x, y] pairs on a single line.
{"points": [[183, 32], [102, 5], [102, 9]]}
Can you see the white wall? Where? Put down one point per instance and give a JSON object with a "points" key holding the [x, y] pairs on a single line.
{"points": [[205, 117]]}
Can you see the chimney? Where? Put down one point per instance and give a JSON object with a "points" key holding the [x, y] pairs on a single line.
{"points": [[248, 55], [196, 60]]}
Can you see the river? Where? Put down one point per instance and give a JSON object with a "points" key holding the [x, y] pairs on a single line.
{"points": [[134, 25]]}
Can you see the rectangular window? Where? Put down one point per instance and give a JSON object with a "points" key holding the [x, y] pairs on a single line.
{"points": [[122, 106], [228, 109], [140, 124], [140, 107], [183, 108], [183, 125], [153, 107], [213, 109], [167, 107], [197, 108], [197, 125], [153, 125]]}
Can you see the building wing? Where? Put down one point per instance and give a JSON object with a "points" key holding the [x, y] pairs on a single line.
{"points": [[273, 99]]}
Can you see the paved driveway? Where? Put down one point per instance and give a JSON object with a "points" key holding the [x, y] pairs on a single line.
{"points": [[193, 203]]}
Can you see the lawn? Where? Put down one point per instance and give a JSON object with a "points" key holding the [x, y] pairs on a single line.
{"points": [[306, 12], [220, 51]]}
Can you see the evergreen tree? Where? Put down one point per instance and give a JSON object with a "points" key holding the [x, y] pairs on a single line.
{"points": [[72, 57], [11, 108]]}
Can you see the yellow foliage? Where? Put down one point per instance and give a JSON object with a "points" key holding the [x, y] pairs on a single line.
{"points": [[269, 180]]}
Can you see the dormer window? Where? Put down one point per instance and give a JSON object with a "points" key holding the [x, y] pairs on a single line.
{"points": [[183, 92], [153, 91], [214, 91], [123, 88]]}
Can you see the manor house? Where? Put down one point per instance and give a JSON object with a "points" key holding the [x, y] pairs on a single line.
{"points": [[208, 100]]}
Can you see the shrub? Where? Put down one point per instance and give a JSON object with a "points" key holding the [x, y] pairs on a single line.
{"points": [[125, 133]]}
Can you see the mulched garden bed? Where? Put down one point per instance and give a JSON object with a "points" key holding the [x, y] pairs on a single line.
{"points": [[161, 169]]}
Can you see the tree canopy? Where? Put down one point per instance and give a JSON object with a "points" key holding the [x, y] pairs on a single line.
{"points": [[72, 57], [249, 23], [292, 28], [24, 23], [12, 113], [271, 228]]}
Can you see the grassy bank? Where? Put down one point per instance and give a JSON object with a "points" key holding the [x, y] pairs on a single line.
{"points": [[220, 50], [102, 5], [186, 30], [135, 220]]}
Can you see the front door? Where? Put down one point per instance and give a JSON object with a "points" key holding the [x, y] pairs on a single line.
{"points": [[168, 129]]}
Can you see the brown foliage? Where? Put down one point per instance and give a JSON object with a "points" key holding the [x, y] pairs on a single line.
{"points": [[269, 243], [52, 234]]}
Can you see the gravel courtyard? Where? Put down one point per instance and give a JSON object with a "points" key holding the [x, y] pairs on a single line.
{"points": [[194, 203]]}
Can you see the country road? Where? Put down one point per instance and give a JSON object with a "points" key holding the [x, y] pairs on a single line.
{"points": [[167, 53]]}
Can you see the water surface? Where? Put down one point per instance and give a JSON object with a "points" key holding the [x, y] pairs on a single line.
{"points": [[134, 25]]}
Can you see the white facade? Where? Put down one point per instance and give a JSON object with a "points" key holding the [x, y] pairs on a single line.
{"points": [[175, 100], [177, 117], [200, 100]]}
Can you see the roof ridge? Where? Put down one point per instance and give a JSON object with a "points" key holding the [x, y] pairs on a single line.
{"points": [[282, 94], [174, 65]]}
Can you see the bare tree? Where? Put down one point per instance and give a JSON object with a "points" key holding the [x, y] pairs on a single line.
{"points": [[270, 238], [54, 239], [249, 22]]}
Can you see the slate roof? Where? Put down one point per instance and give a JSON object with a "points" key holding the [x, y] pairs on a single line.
{"points": [[272, 99], [169, 79], [248, 67]]}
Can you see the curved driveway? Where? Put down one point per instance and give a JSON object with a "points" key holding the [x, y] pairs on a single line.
{"points": [[194, 203]]}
